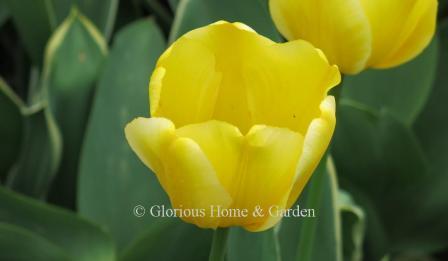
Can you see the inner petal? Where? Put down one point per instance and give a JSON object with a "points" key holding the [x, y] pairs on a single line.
{"points": [[228, 72]]}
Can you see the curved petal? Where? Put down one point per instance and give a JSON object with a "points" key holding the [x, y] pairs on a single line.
{"points": [[149, 138], [267, 170], [256, 169], [182, 168], [420, 28], [400, 29], [340, 28], [315, 144], [251, 83], [222, 144], [193, 182]]}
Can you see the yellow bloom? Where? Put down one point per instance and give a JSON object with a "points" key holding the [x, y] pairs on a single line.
{"points": [[238, 122], [357, 34]]}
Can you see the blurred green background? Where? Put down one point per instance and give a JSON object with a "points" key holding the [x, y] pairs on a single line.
{"points": [[74, 72]]}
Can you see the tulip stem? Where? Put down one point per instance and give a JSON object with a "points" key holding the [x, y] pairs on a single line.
{"points": [[219, 244]]}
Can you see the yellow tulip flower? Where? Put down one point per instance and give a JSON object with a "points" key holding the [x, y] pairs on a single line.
{"points": [[238, 123], [358, 34]]}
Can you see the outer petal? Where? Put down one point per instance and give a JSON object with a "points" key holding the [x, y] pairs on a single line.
{"points": [[267, 170], [149, 138], [222, 144], [316, 143], [255, 82], [340, 28], [400, 29], [181, 167], [257, 169]]}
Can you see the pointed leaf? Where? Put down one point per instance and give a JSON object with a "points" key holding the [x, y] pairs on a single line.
{"points": [[318, 237], [403, 90], [73, 62], [80, 239], [170, 239], [262, 246], [191, 14], [112, 179], [14, 240], [11, 128]]}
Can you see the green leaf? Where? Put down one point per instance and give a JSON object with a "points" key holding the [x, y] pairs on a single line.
{"points": [[170, 239], [11, 128], [191, 14], [40, 154], [261, 246], [80, 239], [112, 179], [173, 4], [73, 62], [101, 12], [37, 19], [381, 164], [34, 20], [4, 12], [318, 237], [353, 227], [403, 91], [17, 243], [432, 130]]}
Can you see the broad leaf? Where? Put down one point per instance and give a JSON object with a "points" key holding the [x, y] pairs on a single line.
{"points": [[73, 62], [80, 239], [318, 237], [17, 243], [261, 246], [381, 164], [170, 239], [37, 19], [191, 14], [4, 12], [403, 90], [11, 128], [40, 153], [34, 21], [112, 179], [432, 130], [352, 227]]}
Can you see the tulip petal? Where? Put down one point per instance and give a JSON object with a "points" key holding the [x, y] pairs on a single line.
{"points": [[190, 83], [254, 83], [193, 182], [400, 29], [222, 144], [267, 169], [339, 28], [148, 138], [301, 77], [416, 35], [256, 170], [181, 167], [315, 144]]}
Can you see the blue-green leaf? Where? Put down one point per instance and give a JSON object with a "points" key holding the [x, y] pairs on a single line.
{"points": [[78, 238], [17, 243], [261, 246], [112, 179], [352, 227], [191, 14], [318, 237], [380, 162], [73, 62], [40, 153], [170, 239], [11, 129], [403, 91]]}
